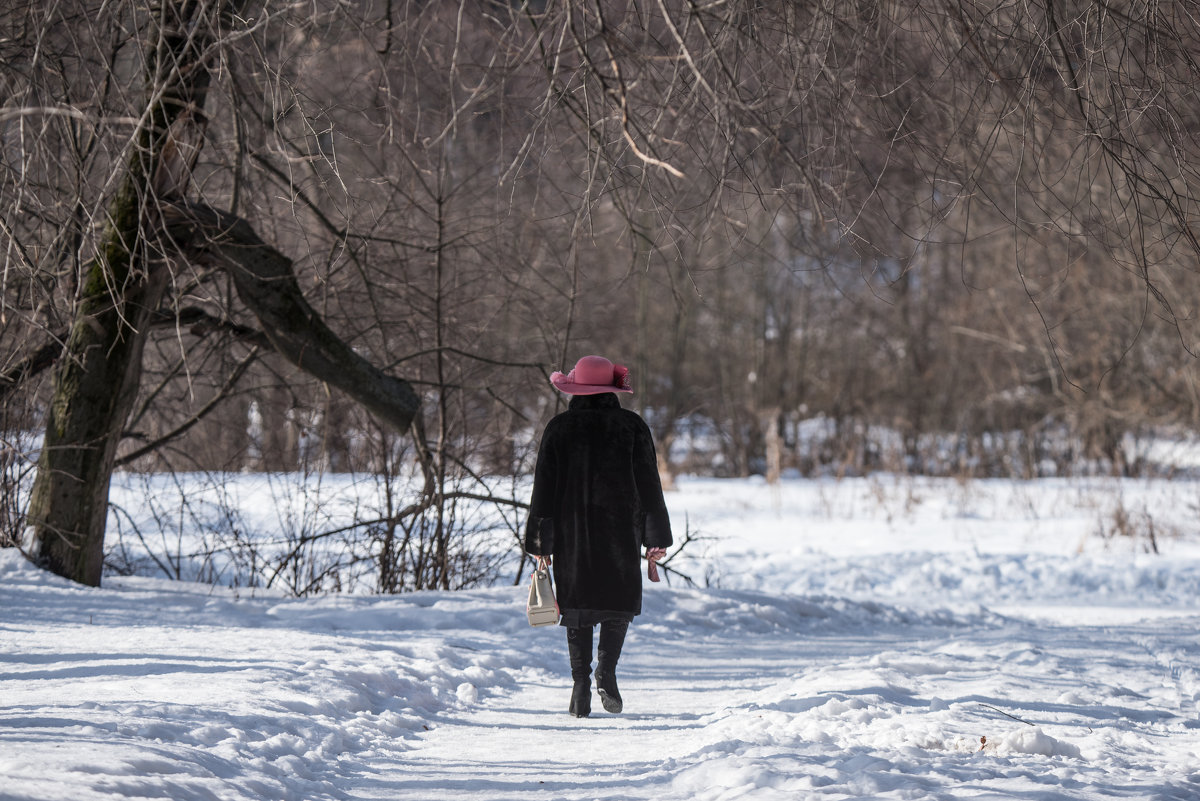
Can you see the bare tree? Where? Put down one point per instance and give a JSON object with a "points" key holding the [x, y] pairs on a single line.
{"points": [[148, 228]]}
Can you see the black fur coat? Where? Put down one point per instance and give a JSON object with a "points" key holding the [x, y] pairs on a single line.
{"points": [[596, 503]]}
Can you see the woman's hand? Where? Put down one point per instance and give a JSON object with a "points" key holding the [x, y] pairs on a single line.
{"points": [[543, 561], [653, 555]]}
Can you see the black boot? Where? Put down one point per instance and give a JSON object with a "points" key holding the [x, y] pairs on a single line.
{"points": [[581, 699], [612, 637], [579, 650]]}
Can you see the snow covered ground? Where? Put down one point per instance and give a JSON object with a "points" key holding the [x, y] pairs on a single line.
{"points": [[872, 638]]}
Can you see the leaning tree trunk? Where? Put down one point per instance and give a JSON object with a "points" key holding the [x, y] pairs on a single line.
{"points": [[97, 373], [266, 284]]}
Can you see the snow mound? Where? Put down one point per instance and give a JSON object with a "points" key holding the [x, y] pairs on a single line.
{"points": [[1030, 740]]}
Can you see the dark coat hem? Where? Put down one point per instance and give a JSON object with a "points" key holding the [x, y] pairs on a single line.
{"points": [[583, 618]]}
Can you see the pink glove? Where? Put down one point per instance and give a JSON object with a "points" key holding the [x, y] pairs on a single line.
{"points": [[653, 555]]}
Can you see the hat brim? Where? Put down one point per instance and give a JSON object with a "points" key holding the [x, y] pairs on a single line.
{"points": [[563, 384]]}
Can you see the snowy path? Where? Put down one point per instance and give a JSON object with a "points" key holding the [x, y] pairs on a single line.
{"points": [[525, 741], [878, 712]]}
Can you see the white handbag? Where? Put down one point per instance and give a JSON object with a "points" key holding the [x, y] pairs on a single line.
{"points": [[542, 608]]}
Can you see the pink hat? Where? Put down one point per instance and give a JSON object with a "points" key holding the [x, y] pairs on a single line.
{"points": [[591, 376]]}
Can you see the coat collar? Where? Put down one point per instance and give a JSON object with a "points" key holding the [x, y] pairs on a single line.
{"points": [[603, 400]]}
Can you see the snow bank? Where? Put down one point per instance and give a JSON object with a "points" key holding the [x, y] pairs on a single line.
{"points": [[184, 691], [934, 542]]}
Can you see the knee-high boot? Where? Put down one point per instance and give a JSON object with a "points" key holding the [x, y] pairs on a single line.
{"points": [[612, 638], [579, 650]]}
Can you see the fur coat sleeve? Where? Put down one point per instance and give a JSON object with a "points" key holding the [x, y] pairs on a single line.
{"points": [[596, 503]]}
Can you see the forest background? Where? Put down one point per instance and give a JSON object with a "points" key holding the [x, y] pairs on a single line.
{"points": [[942, 237]]}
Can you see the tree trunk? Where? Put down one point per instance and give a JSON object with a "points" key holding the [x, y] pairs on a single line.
{"points": [[774, 444], [94, 388], [97, 374]]}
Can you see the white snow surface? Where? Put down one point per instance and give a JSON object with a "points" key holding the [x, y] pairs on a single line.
{"points": [[887, 638]]}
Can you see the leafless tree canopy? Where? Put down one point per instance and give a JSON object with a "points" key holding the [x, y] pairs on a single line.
{"points": [[973, 221]]}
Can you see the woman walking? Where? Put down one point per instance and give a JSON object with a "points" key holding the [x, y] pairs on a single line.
{"points": [[596, 503]]}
